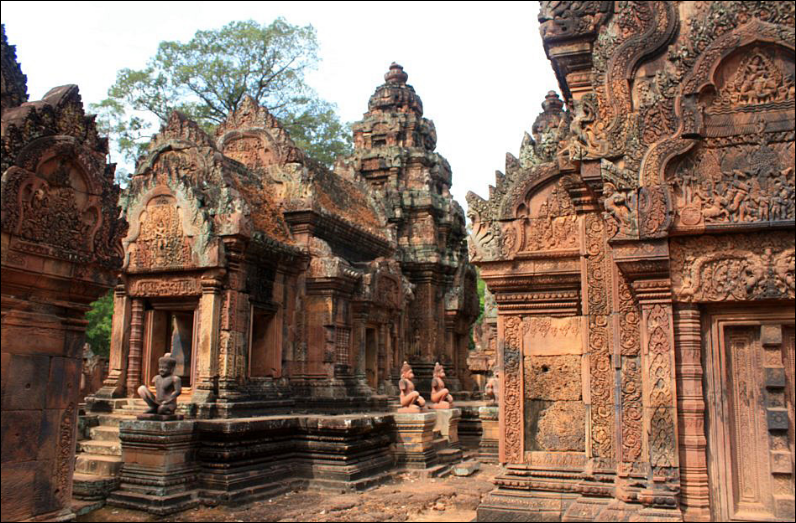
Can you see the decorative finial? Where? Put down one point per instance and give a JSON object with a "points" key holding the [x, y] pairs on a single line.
{"points": [[552, 101], [396, 74]]}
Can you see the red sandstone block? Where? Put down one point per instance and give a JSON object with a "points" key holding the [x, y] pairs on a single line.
{"points": [[25, 382], [47, 484], [16, 488], [20, 435], [64, 382], [25, 333], [49, 433]]}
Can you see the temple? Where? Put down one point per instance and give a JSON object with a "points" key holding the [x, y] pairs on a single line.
{"points": [[641, 256], [292, 326], [61, 247]]}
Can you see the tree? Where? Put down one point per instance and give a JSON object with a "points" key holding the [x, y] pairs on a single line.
{"points": [[98, 332], [207, 78]]}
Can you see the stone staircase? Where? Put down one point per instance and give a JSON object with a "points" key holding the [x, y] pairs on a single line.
{"points": [[99, 459], [448, 454]]}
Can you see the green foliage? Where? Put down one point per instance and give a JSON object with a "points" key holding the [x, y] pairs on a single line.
{"points": [[98, 333], [481, 286], [207, 78]]}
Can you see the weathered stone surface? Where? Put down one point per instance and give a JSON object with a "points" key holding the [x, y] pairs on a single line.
{"points": [[553, 378], [557, 426], [466, 468]]}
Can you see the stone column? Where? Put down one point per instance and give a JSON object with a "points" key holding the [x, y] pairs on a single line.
{"points": [[114, 384], [691, 410], [359, 364], [209, 333], [660, 398], [136, 347]]}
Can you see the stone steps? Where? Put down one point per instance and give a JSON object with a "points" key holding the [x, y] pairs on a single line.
{"points": [[450, 455], [99, 459], [105, 448], [134, 407], [91, 487], [98, 464], [113, 420], [104, 433]]}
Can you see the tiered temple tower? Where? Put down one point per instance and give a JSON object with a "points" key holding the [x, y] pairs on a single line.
{"points": [[394, 152]]}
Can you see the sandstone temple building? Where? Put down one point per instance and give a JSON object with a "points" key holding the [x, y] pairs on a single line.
{"points": [[641, 256], [637, 340], [288, 296]]}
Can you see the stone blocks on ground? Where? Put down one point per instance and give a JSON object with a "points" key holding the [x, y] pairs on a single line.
{"points": [[466, 468]]}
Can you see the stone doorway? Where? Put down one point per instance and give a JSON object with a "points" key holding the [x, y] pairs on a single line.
{"points": [[371, 358], [750, 405], [171, 329]]}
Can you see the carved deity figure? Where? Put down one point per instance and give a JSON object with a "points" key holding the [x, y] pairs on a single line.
{"points": [[618, 207], [440, 396], [167, 388], [492, 389], [411, 400]]}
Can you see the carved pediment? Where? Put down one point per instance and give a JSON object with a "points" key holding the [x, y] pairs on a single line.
{"points": [[739, 267], [61, 195]]}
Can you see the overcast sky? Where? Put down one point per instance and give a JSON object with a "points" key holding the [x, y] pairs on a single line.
{"points": [[479, 67]]}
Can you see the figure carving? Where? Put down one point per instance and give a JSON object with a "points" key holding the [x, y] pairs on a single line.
{"points": [[492, 389], [618, 207], [411, 400], [167, 388], [440, 396]]}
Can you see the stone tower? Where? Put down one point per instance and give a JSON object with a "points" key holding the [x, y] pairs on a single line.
{"points": [[394, 152]]}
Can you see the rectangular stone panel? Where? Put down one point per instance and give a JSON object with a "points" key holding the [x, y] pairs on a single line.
{"points": [[552, 336], [20, 435], [555, 426], [553, 378]]}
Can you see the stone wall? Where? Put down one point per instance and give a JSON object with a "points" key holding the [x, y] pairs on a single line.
{"points": [[658, 202]]}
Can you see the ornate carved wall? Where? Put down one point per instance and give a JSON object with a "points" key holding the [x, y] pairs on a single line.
{"points": [[61, 246], [659, 204]]}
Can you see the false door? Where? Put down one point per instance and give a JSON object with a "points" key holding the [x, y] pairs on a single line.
{"points": [[750, 367]]}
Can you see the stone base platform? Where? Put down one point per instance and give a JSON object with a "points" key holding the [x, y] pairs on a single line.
{"points": [[173, 465], [159, 474], [490, 434], [247, 459]]}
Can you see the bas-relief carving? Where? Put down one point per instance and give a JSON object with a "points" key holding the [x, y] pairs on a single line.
{"points": [[511, 411], [552, 336], [601, 375], [740, 267], [660, 399], [547, 222], [161, 243], [747, 183], [728, 80], [737, 183]]}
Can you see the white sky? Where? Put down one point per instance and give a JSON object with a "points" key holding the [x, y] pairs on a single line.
{"points": [[479, 67]]}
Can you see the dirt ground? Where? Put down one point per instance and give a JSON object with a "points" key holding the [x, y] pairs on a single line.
{"points": [[407, 498]]}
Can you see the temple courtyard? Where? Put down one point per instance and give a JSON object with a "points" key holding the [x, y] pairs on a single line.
{"points": [[607, 334], [407, 498]]}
